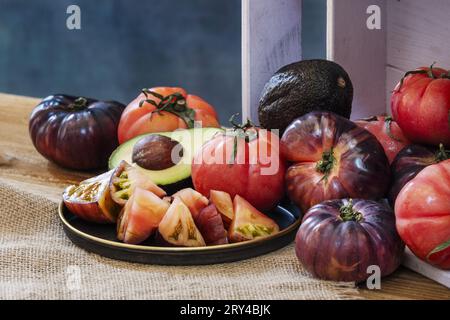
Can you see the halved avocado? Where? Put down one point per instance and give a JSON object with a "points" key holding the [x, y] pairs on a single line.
{"points": [[172, 177]]}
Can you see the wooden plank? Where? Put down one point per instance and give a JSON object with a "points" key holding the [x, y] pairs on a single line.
{"points": [[417, 36], [418, 33], [361, 51], [271, 32], [405, 284]]}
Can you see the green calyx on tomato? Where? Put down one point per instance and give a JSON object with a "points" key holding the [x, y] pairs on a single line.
{"points": [[174, 103], [388, 122], [245, 131], [442, 247], [79, 104], [325, 165], [442, 154], [428, 72], [348, 213]]}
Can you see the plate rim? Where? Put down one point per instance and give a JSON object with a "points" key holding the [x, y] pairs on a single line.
{"points": [[134, 247]]}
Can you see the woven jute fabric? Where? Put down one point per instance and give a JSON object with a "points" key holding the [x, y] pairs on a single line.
{"points": [[37, 261]]}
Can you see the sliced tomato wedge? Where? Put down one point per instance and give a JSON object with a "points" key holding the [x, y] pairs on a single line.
{"points": [[91, 200], [141, 216], [224, 204], [178, 227], [194, 200], [249, 223], [126, 178], [210, 224]]}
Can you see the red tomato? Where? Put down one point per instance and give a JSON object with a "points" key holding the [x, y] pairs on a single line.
{"points": [[181, 109], [421, 106], [388, 133], [238, 166], [422, 210]]}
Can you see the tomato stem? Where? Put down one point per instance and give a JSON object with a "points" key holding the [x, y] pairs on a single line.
{"points": [[245, 131], [428, 72], [174, 103], [442, 154], [348, 213], [325, 165], [388, 122], [79, 104]]}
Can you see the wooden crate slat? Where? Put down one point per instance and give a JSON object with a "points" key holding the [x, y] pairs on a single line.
{"points": [[271, 32], [362, 52], [417, 265], [418, 35]]}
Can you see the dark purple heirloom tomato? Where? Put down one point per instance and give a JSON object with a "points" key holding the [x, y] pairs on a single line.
{"points": [[339, 239], [409, 162], [75, 133], [333, 158]]}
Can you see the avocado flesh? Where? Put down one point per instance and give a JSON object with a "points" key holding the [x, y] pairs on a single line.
{"points": [[179, 175], [303, 87]]}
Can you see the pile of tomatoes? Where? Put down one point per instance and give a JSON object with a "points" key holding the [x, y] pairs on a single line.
{"points": [[337, 171], [404, 158]]}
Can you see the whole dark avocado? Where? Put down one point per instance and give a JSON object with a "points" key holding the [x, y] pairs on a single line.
{"points": [[303, 87]]}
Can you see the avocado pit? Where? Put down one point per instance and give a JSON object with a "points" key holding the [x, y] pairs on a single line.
{"points": [[157, 152]]}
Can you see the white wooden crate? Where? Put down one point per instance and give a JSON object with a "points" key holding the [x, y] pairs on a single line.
{"points": [[413, 33]]}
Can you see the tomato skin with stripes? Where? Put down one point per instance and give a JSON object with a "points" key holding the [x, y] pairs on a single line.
{"points": [[422, 211], [340, 239]]}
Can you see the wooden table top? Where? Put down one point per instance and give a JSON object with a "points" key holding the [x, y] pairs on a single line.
{"points": [[23, 166]]}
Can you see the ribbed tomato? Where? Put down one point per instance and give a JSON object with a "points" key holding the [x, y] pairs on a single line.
{"points": [[164, 109], [332, 158], [423, 214], [75, 132], [421, 106], [339, 239]]}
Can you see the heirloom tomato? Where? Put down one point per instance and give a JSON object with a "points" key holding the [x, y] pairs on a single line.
{"points": [[164, 109], [422, 209], [75, 133], [332, 158], [421, 106], [245, 161], [388, 133], [340, 239]]}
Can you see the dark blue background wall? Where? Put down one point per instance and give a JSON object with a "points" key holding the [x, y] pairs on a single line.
{"points": [[126, 45], [314, 29], [123, 46]]}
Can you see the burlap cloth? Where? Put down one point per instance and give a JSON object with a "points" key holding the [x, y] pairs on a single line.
{"points": [[37, 261]]}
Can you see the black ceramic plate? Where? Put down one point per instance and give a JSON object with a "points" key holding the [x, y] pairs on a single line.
{"points": [[101, 239]]}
